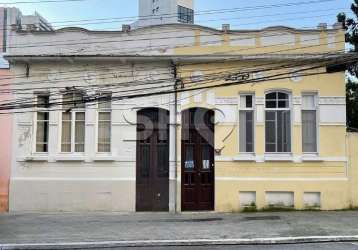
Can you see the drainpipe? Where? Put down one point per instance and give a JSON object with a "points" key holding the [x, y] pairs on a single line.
{"points": [[173, 146]]}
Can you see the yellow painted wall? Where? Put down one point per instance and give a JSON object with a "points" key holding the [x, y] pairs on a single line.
{"points": [[300, 44], [334, 194], [327, 177]]}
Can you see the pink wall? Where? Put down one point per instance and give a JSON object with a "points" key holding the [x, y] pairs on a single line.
{"points": [[5, 134], [5, 148]]}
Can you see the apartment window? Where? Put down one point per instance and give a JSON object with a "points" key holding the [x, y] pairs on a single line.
{"points": [[104, 123], [42, 124], [246, 124], [309, 123], [73, 123], [185, 15], [277, 123]]}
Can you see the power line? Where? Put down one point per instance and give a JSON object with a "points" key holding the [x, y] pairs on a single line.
{"points": [[42, 1], [73, 71], [168, 15], [135, 82], [246, 49], [236, 50], [221, 85], [128, 84], [299, 48], [196, 88], [216, 75], [210, 20], [277, 77], [87, 40]]}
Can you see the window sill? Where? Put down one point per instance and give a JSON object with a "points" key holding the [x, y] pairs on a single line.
{"points": [[311, 158], [245, 157], [279, 157], [35, 158], [70, 158], [105, 157]]}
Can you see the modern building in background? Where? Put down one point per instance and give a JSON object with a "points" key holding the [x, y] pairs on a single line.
{"points": [[155, 12], [11, 19]]}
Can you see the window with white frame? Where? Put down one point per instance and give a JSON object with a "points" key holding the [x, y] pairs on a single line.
{"points": [[309, 123], [73, 123], [42, 123], [277, 122], [246, 123], [104, 123]]}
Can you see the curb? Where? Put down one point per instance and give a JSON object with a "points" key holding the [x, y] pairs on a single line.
{"points": [[193, 242]]}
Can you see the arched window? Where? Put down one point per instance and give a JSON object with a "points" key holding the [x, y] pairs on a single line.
{"points": [[278, 122]]}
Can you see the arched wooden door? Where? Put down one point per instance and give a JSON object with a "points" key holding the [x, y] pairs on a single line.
{"points": [[152, 182], [198, 167]]}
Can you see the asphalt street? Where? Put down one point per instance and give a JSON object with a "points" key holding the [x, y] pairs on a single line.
{"points": [[316, 246]]}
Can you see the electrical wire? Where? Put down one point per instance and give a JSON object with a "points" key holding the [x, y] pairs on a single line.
{"points": [[213, 86], [126, 84], [197, 13], [236, 50], [41, 1]]}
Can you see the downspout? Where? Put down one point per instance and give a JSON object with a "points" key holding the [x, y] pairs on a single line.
{"points": [[173, 145], [176, 135]]}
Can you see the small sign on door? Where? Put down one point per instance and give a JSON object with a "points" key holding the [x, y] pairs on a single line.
{"points": [[206, 164], [189, 164]]}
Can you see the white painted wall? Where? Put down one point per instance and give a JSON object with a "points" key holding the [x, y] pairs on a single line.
{"points": [[90, 181], [153, 41]]}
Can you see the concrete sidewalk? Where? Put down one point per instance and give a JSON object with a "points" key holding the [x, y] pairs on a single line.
{"points": [[46, 231]]}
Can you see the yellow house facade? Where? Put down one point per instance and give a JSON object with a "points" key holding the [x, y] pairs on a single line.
{"points": [[302, 162]]}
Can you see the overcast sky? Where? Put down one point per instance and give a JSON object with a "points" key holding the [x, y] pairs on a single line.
{"points": [[295, 16]]}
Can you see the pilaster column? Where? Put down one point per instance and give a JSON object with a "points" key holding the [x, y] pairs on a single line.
{"points": [[297, 129], [90, 134], [54, 129], [260, 127]]}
